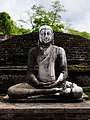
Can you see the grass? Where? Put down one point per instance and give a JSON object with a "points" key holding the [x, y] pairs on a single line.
{"points": [[13, 67], [79, 67], [88, 93], [86, 89]]}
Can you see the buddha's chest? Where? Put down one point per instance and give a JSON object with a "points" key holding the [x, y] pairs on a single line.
{"points": [[46, 64]]}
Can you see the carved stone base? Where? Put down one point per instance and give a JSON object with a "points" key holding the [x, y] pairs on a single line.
{"points": [[45, 111]]}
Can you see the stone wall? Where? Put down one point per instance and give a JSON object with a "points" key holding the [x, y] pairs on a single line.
{"points": [[14, 51]]}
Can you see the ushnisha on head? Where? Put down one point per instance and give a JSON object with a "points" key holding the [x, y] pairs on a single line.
{"points": [[46, 35]]}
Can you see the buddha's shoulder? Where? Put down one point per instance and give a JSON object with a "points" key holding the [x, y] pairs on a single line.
{"points": [[58, 48], [34, 49]]}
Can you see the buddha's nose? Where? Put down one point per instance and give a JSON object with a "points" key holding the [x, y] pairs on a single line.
{"points": [[46, 37]]}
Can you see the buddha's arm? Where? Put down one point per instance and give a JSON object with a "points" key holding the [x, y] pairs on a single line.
{"points": [[32, 79], [63, 67], [30, 70]]}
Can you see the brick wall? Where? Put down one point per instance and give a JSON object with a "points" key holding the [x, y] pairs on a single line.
{"points": [[14, 50]]}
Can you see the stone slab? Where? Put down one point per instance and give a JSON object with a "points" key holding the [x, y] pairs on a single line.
{"points": [[45, 111]]}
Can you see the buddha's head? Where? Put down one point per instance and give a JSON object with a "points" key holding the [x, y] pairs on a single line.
{"points": [[46, 35]]}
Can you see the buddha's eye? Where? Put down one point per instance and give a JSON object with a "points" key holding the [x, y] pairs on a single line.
{"points": [[48, 33], [44, 33]]}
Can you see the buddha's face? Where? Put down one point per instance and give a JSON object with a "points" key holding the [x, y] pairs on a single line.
{"points": [[45, 35]]}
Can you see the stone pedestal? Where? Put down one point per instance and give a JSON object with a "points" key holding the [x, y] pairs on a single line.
{"points": [[45, 111]]}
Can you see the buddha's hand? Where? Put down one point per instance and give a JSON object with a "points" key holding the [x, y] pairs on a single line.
{"points": [[43, 85], [40, 85], [51, 85], [56, 90], [47, 84], [59, 81], [56, 83]]}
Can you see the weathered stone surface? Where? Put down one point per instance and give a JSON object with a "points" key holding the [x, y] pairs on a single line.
{"points": [[45, 111]]}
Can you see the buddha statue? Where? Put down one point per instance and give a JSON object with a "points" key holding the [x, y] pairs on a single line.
{"points": [[51, 78]]}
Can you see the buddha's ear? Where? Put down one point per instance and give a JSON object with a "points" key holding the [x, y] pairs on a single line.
{"points": [[38, 42], [52, 38]]}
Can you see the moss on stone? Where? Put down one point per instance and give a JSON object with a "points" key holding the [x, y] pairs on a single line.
{"points": [[86, 89], [79, 68]]}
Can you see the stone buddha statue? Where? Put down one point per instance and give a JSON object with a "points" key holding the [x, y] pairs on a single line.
{"points": [[52, 71]]}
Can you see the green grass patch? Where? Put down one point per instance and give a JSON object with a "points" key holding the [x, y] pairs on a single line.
{"points": [[79, 67], [86, 89], [88, 93], [13, 67]]}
